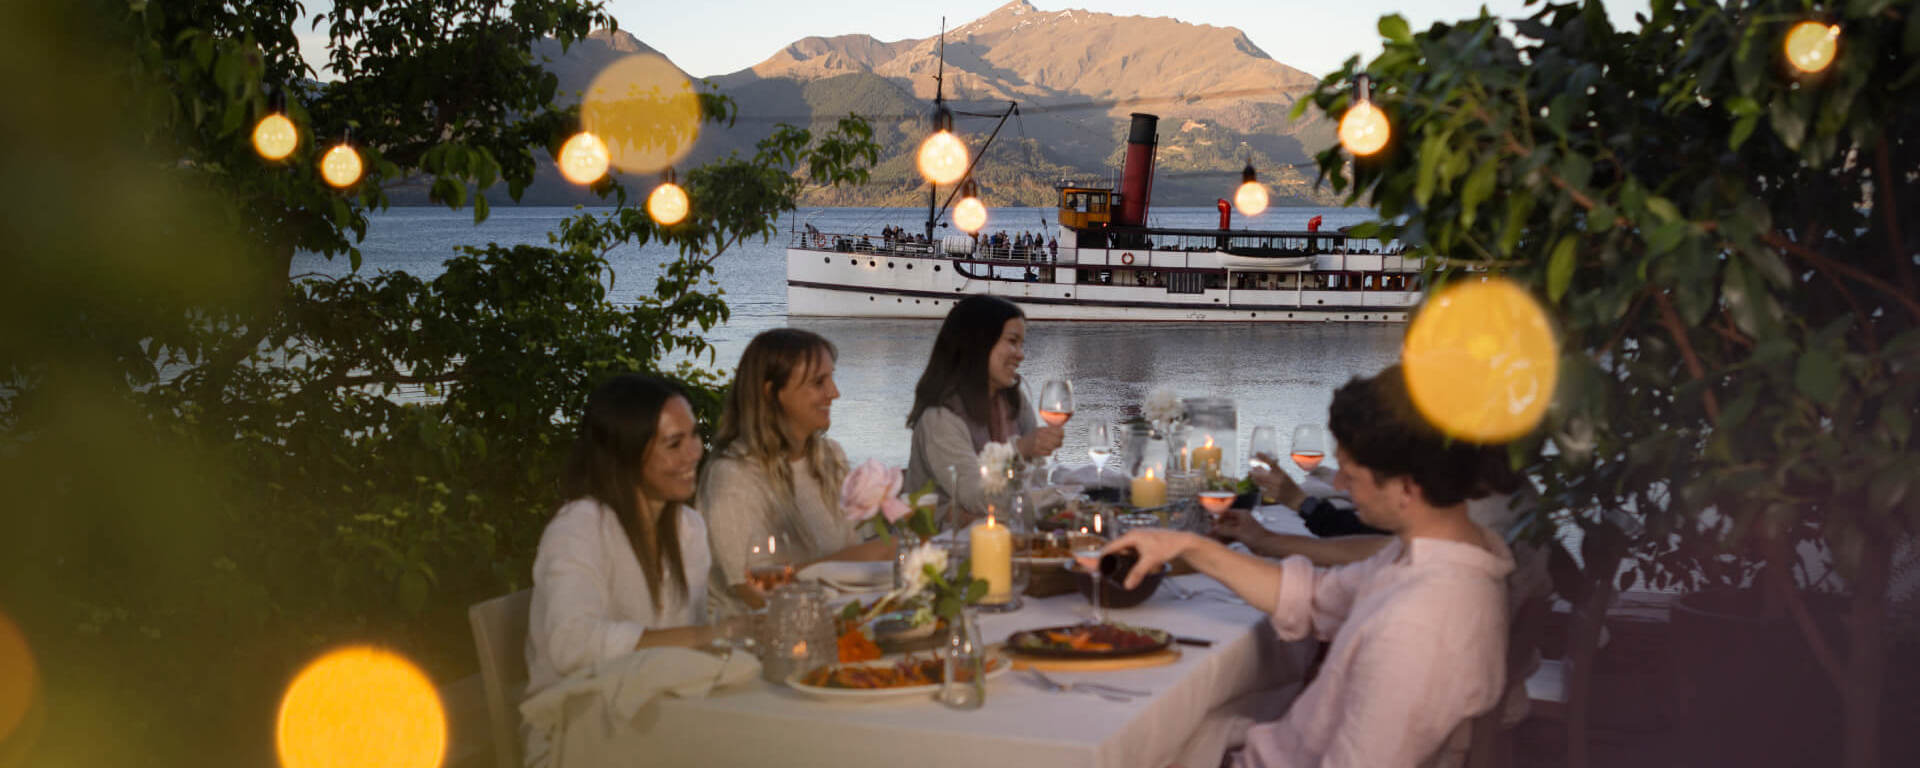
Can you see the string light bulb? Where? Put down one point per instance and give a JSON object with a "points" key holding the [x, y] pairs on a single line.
{"points": [[274, 137], [1811, 45], [341, 166], [584, 159], [1364, 129], [1251, 197], [970, 215], [667, 204], [943, 156]]}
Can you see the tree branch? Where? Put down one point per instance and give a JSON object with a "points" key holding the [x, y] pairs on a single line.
{"points": [[1818, 261], [1883, 181], [1671, 320], [387, 378], [1776, 572]]}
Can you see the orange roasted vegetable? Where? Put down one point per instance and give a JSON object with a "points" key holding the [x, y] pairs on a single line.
{"points": [[854, 646]]}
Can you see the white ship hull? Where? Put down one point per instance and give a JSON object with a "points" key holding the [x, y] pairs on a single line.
{"points": [[1103, 284]]}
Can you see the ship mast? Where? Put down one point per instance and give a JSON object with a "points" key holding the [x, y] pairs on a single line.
{"points": [[942, 119]]}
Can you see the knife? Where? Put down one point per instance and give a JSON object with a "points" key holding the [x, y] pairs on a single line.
{"points": [[1194, 641]]}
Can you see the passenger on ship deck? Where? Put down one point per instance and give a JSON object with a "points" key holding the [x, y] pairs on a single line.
{"points": [[970, 395], [774, 469]]}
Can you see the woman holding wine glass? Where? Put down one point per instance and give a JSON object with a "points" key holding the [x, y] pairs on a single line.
{"points": [[776, 476], [623, 564], [969, 395]]}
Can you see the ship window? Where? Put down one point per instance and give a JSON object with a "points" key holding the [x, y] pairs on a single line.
{"points": [[936, 267], [889, 265], [826, 259], [855, 262], [909, 266], [872, 263]]}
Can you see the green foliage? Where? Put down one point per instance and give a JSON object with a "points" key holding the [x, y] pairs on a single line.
{"points": [[1729, 250], [220, 469]]}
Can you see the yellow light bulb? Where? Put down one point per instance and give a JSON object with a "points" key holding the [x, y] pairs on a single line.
{"points": [[1364, 129], [667, 204], [1811, 45], [645, 110], [19, 678], [943, 158], [341, 166], [584, 158], [1251, 198], [1481, 361], [970, 215], [274, 137], [361, 706]]}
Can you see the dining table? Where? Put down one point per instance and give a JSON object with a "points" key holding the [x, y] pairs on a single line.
{"points": [[1023, 722]]}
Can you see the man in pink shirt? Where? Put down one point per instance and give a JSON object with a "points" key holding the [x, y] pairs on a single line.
{"points": [[1418, 631]]}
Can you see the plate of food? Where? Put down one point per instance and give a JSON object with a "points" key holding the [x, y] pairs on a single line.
{"points": [[910, 675], [1095, 641], [1056, 550]]}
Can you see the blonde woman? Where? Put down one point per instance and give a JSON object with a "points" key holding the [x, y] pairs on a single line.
{"points": [[774, 469]]}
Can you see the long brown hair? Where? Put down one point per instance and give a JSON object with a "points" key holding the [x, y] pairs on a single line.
{"points": [[957, 367], [750, 422], [616, 434]]}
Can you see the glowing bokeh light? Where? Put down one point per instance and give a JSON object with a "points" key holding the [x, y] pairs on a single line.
{"points": [[969, 215], [584, 158], [274, 137], [645, 110], [341, 166], [1251, 198], [1811, 45], [1481, 361], [19, 677], [943, 158], [667, 204], [1364, 129], [361, 706]]}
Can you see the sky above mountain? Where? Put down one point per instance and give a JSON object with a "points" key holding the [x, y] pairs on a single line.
{"points": [[716, 37]]}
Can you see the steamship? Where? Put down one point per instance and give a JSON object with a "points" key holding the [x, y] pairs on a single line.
{"points": [[1108, 265]]}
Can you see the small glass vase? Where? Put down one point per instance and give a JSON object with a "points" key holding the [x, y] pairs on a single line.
{"points": [[963, 680]]}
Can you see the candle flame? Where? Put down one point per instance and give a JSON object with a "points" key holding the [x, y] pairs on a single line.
{"points": [[1209, 442]]}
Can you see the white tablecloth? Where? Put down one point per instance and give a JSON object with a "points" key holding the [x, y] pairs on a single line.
{"points": [[761, 724]]}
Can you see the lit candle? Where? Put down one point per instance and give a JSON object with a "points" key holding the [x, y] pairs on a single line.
{"points": [[1206, 458], [992, 546], [1149, 491]]}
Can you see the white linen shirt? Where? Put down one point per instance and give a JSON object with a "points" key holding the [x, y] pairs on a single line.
{"points": [[1419, 640], [590, 599]]}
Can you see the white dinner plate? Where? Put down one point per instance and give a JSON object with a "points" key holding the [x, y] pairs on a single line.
{"points": [[1000, 665]]}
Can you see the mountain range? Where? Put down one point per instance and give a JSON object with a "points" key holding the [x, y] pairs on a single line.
{"points": [[1075, 76]]}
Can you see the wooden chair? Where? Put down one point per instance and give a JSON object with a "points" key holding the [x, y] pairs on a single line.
{"points": [[500, 639]]}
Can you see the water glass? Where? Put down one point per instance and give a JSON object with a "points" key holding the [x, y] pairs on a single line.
{"points": [[797, 633]]}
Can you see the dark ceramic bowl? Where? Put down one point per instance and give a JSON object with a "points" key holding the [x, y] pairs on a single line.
{"points": [[1113, 575]]}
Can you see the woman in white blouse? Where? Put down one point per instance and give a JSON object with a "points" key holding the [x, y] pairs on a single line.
{"points": [[623, 565], [969, 395], [775, 471]]}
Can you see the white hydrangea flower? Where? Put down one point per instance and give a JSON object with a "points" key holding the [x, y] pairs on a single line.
{"points": [[1163, 407], [995, 460], [914, 571]]}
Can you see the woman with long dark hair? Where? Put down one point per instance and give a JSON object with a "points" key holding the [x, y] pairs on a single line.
{"points": [[775, 471], [969, 395], [623, 564]]}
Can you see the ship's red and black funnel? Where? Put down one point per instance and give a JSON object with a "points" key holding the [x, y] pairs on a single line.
{"points": [[1136, 179]]}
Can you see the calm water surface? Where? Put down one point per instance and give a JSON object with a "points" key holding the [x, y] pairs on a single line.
{"points": [[1278, 374]]}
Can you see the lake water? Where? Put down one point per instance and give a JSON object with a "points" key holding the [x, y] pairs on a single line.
{"points": [[1280, 374]]}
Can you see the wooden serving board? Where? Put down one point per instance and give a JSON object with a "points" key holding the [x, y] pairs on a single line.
{"points": [[1052, 664]]}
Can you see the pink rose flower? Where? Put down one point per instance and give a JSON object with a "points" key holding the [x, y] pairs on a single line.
{"points": [[873, 487]]}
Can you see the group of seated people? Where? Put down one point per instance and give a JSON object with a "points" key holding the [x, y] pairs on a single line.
{"points": [[649, 546]]}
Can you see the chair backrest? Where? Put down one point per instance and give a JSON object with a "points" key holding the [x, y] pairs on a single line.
{"points": [[500, 639]]}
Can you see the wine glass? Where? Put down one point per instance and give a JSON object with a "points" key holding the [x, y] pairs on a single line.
{"points": [[1216, 502], [1099, 446], [1086, 556], [769, 563], [1264, 444], [1056, 402], [1309, 446]]}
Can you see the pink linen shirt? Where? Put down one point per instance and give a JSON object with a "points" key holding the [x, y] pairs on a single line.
{"points": [[1419, 641]]}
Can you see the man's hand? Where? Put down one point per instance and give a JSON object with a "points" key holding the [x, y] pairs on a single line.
{"points": [[1041, 442], [1238, 525], [1276, 487], [1154, 546]]}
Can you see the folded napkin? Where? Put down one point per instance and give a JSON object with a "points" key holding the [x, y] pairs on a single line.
{"points": [[563, 727], [850, 576]]}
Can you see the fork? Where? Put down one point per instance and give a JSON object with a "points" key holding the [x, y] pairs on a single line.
{"points": [[1108, 692]]}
